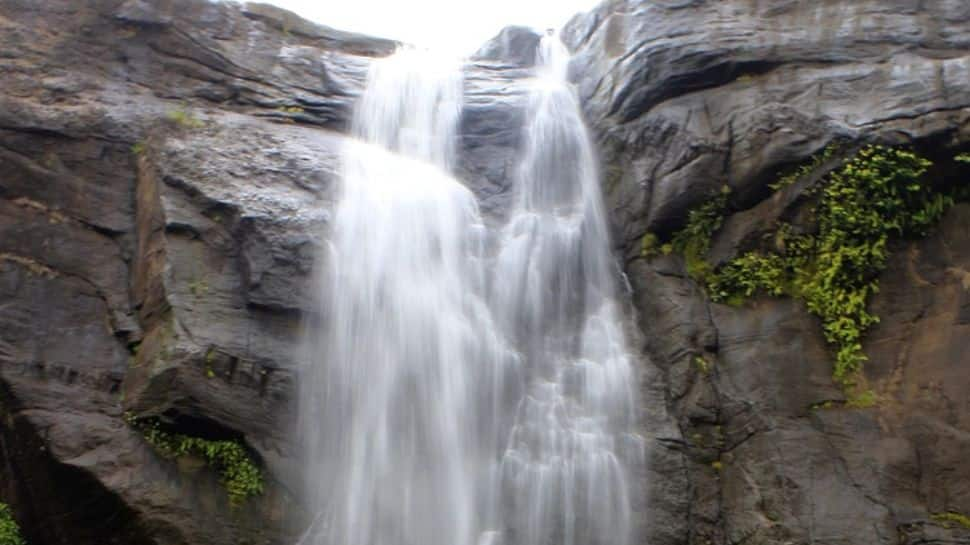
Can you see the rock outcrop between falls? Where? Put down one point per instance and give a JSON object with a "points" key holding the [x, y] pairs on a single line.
{"points": [[167, 171]]}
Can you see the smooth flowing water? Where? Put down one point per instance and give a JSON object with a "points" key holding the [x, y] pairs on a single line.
{"points": [[572, 442], [463, 387]]}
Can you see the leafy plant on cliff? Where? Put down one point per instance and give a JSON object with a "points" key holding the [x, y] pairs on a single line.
{"points": [[649, 245], [950, 519], [876, 194], [873, 196], [748, 274], [694, 240], [184, 119], [239, 473], [9, 530], [198, 287]]}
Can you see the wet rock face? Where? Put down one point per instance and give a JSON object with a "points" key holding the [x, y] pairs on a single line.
{"points": [[512, 46], [158, 229], [689, 96], [168, 169], [686, 97]]}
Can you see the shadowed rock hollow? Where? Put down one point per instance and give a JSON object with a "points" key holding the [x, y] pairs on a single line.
{"points": [[167, 170]]}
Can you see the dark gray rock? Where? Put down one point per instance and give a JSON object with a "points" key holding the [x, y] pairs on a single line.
{"points": [[513, 45], [289, 23], [496, 91], [685, 97], [140, 12], [491, 128], [160, 217], [688, 96]]}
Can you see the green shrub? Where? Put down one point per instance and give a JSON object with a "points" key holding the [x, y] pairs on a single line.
{"points": [[694, 240], [862, 399], [9, 530], [873, 196], [748, 274], [239, 473], [198, 287], [950, 519], [702, 365], [184, 119], [649, 245]]}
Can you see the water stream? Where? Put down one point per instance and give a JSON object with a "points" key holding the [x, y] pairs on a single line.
{"points": [[464, 387]]}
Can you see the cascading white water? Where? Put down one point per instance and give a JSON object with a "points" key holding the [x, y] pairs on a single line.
{"points": [[573, 439], [405, 364], [458, 392]]}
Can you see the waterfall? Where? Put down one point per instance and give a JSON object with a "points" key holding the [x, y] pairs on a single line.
{"points": [[405, 360], [565, 467], [463, 387]]}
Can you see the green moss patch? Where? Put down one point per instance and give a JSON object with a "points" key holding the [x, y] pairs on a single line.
{"points": [[694, 240], [183, 118], [239, 472], [951, 519], [874, 196], [9, 530]]}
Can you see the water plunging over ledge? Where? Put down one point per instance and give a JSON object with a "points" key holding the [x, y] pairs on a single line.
{"points": [[462, 388]]}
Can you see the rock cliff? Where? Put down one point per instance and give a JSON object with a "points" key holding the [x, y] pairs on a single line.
{"points": [[167, 171], [689, 97]]}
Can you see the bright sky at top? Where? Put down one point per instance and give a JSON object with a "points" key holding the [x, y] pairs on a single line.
{"points": [[458, 26]]}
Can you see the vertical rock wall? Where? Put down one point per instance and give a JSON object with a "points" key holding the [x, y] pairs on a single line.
{"points": [[688, 97]]}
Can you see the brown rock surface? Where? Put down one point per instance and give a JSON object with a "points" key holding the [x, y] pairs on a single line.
{"points": [[166, 175], [157, 226]]}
